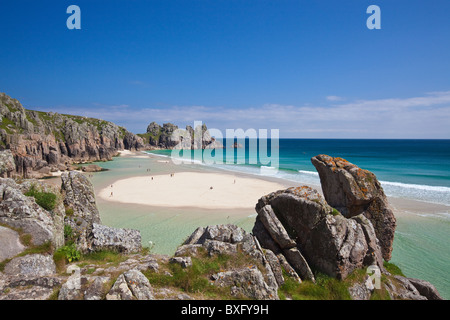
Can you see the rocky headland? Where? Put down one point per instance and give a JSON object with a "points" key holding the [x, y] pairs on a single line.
{"points": [[169, 136]]}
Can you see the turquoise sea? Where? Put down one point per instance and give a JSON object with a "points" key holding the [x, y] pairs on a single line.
{"points": [[414, 169], [414, 173]]}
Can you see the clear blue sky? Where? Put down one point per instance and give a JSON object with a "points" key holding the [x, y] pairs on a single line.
{"points": [[309, 68]]}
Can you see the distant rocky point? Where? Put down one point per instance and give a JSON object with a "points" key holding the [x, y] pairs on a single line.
{"points": [[169, 136]]}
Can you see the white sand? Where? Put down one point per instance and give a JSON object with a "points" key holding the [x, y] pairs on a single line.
{"points": [[125, 153], [133, 154], [190, 189]]}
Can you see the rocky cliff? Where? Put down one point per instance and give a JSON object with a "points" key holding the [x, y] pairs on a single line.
{"points": [[41, 142], [351, 229]]}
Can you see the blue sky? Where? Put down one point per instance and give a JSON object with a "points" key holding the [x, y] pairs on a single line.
{"points": [[309, 68]]}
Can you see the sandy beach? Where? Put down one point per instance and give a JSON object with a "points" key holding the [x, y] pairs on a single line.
{"points": [[190, 189]]}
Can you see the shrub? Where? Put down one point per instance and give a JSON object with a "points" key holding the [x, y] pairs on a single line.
{"points": [[69, 212], [46, 200], [69, 235], [69, 252]]}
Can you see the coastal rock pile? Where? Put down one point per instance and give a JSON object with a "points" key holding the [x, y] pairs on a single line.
{"points": [[42, 142], [260, 280], [336, 235], [314, 234], [83, 217], [25, 224], [354, 191]]}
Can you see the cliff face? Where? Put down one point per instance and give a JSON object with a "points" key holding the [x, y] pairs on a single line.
{"points": [[45, 141]]}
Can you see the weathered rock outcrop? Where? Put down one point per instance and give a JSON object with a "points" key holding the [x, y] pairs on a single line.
{"points": [[338, 234], [7, 164], [34, 265], [115, 239], [298, 223], [10, 243], [22, 212], [169, 136], [40, 140], [84, 218], [354, 191], [131, 285], [261, 281]]}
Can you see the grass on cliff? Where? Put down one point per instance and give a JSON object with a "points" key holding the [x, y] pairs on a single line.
{"points": [[329, 288], [7, 124], [325, 288], [46, 200], [393, 269]]}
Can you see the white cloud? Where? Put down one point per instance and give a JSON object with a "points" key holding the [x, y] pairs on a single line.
{"points": [[335, 98], [426, 116]]}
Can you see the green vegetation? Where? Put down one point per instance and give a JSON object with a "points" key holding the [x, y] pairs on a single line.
{"points": [[46, 200], [103, 257], [69, 212], [329, 288], [326, 288], [7, 125], [194, 279], [393, 269], [68, 252], [148, 137], [335, 212], [98, 123]]}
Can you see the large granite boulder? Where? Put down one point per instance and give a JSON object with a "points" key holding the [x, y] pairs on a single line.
{"points": [[81, 208], [35, 265], [425, 289], [115, 239], [22, 212], [131, 285], [245, 283], [354, 191], [10, 244], [299, 224], [84, 218]]}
